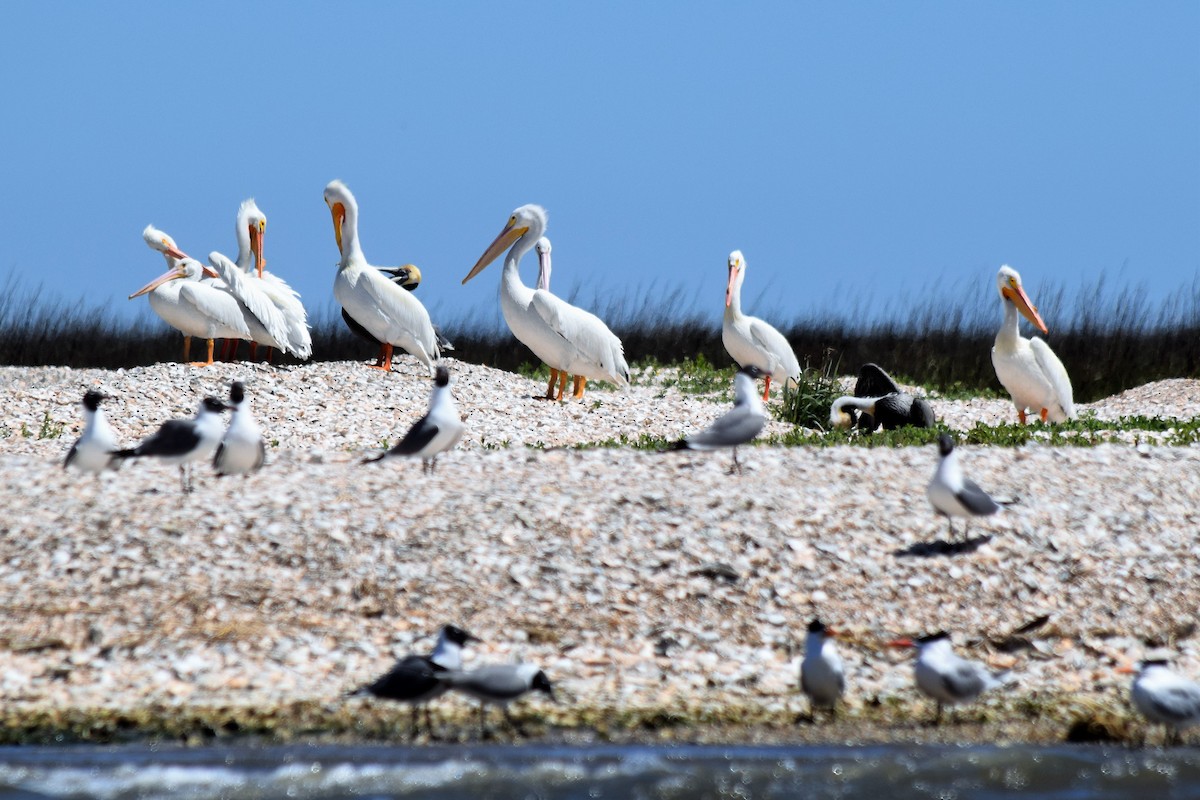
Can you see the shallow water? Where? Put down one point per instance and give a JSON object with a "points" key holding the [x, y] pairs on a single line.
{"points": [[588, 773]]}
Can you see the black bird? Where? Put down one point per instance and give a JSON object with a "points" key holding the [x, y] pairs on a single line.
{"points": [[881, 402], [416, 679], [182, 441]]}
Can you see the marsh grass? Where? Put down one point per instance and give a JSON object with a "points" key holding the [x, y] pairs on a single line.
{"points": [[1109, 338]]}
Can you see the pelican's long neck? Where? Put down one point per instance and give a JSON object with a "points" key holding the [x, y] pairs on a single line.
{"points": [[734, 309], [510, 282], [1010, 332], [838, 416], [351, 248], [245, 256]]}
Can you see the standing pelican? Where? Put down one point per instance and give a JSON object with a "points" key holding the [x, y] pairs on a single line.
{"points": [[749, 340], [192, 306], [1028, 368], [389, 313], [251, 230], [566, 338]]}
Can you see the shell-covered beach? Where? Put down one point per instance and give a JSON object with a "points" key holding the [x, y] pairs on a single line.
{"points": [[662, 595]]}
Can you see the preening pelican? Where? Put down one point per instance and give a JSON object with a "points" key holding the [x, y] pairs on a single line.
{"points": [[566, 338], [192, 306], [749, 340], [1028, 368], [251, 230], [878, 400], [389, 313]]}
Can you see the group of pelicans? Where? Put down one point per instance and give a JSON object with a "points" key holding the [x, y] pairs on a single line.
{"points": [[241, 300]]}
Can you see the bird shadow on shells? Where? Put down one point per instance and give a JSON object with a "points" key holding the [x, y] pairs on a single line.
{"points": [[941, 547]]}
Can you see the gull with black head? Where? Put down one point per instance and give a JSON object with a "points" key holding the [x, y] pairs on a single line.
{"points": [[952, 494], [94, 450], [182, 441], [437, 431], [241, 450], [499, 685]]}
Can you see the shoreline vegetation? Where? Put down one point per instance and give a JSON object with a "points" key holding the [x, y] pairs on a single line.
{"points": [[1115, 340]]}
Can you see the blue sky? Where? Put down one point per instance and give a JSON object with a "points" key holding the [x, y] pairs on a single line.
{"points": [[895, 149]]}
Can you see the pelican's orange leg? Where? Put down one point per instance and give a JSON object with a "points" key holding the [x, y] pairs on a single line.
{"points": [[1021, 415], [550, 386], [1045, 414], [208, 363], [386, 366], [187, 348], [580, 383], [253, 351], [767, 390]]}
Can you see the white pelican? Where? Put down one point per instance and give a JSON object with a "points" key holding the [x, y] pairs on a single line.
{"points": [[192, 306], [389, 313], [749, 340], [1028, 368], [566, 338], [251, 230]]}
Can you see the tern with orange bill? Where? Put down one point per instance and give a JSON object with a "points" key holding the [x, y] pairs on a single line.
{"points": [[192, 306], [1164, 697], [1028, 368], [750, 341], [386, 311], [568, 339], [944, 675]]}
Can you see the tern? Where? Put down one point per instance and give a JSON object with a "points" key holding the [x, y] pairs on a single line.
{"points": [[93, 450], [499, 684], [437, 431], [182, 441], [737, 426], [417, 679], [1165, 698], [954, 495], [241, 450], [822, 676], [946, 677]]}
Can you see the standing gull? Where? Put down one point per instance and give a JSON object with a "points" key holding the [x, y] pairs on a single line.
{"points": [[952, 494], [437, 431], [241, 450], [1028, 368], [499, 685], [182, 441], [1165, 698], [737, 426], [822, 676], [417, 679], [566, 338], [93, 450], [749, 340], [945, 676]]}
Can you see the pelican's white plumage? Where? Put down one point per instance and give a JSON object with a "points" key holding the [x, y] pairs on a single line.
{"points": [[251, 230], [565, 337], [388, 312], [193, 306], [750, 341], [1028, 368], [264, 320]]}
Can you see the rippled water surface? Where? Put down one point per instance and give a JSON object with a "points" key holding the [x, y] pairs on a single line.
{"points": [[619, 772]]}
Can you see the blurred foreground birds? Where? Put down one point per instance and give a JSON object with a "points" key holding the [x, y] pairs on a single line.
{"points": [[437, 431], [822, 676], [1164, 697], [737, 426], [182, 441], [945, 676], [94, 450], [499, 685], [417, 679]]}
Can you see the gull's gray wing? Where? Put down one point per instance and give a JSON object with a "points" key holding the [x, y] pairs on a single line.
{"points": [[496, 682], [418, 437], [175, 438], [976, 500], [71, 454], [736, 427]]}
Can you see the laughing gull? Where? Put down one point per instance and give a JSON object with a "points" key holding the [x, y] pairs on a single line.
{"points": [[953, 495], [182, 441], [822, 676], [735, 427], [241, 450], [945, 676], [437, 431], [417, 679], [1165, 698], [93, 450], [500, 684]]}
